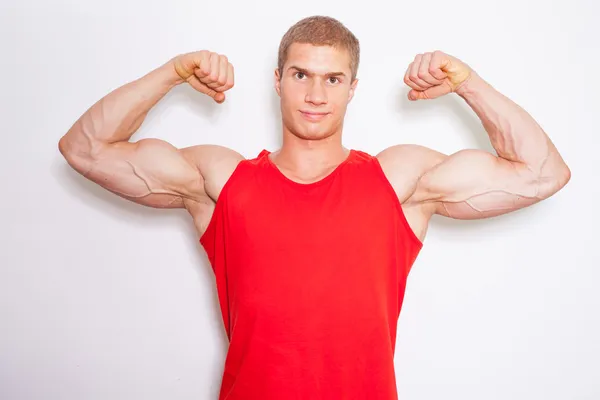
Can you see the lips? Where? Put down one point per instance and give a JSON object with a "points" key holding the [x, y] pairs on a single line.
{"points": [[313, 115]]}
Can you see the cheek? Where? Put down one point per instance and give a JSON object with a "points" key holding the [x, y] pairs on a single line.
{"points": [[339, 99], [339, 107], [290, 97]]}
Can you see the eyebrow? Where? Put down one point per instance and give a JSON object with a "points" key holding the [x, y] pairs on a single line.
{"points": [[310, 73]]}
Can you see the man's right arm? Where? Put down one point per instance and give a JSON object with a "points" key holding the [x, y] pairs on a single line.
{"points": [[152, 172]]}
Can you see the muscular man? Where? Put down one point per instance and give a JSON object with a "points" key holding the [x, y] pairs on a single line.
{"points": [[311, 244]]}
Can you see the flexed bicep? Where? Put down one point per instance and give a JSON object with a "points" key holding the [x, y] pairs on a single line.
{"points": [[473, 184], [150, 172]]}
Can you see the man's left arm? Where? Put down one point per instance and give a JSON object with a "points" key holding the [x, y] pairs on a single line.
{"points": [[474, 184]]}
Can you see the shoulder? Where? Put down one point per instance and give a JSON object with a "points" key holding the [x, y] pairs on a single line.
{"points": [[215, 163], [410, 155], [404, 164], [409, 160], [208, 154]]}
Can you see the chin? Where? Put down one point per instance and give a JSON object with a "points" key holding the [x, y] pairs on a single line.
{"points": [[314, 133]]}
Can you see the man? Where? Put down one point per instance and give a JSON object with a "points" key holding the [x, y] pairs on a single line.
{"points": [[311, 245]]}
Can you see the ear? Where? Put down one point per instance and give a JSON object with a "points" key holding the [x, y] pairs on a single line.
{"points": [[277, 82], [352, 89]]}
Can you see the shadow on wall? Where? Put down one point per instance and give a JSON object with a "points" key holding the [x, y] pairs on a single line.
{"points": [[120, 209], [276, 107]]}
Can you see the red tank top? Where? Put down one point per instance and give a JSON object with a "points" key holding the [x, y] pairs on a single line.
{"points": [[310, 280]]}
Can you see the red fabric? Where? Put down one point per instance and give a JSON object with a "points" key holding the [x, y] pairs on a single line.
{"points": [[311, 280]]}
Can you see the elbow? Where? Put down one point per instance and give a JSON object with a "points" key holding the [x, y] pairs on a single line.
{"points": [[68, 150], [561, 173], [75, 152], [63, 146], [564, 176], [554, 182]]}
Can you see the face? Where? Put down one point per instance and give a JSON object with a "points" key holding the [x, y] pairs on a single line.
{"points": [[315, 88]]}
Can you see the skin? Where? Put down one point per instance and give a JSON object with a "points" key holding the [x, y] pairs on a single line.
{"points": [[469, 184]]}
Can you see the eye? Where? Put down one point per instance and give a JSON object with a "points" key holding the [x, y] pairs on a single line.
{"points": [[297, 74], [333, 77]]}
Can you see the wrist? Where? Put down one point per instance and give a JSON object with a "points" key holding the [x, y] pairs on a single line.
{"points": [[470, 85], [168, 75]]}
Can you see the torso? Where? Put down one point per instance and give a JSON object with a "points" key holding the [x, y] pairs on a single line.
{"points": [[299, 265]]}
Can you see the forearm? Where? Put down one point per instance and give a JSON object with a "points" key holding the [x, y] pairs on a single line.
{"points": [[514, 134], [119, 114]]}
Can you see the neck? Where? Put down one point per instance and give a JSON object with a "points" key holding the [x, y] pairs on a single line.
{"points": [[309, 156]]}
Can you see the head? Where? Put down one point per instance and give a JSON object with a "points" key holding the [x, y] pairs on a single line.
{"points": [[316, 73]]}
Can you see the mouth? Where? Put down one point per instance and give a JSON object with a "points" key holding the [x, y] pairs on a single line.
{"points": [[313, 115]]}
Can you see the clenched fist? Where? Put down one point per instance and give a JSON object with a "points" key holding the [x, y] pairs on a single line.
{"points": [[209, 73], [435, 74]]}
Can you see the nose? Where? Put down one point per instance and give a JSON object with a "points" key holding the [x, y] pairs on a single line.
{"points": [[316, 94]]}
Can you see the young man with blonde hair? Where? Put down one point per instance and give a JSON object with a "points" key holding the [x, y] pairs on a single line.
{"points": [[311, 244]]}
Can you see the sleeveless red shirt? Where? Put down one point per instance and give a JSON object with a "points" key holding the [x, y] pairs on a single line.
{"points": [[310, 279]]}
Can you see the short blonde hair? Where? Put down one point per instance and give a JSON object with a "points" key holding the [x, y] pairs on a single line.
{"points": [[321, 31]]}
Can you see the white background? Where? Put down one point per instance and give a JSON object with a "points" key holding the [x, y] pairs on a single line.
{"points": [[104, 299]]}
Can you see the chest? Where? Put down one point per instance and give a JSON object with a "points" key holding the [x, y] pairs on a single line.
{"points": [[327, 217], [290, 253]]}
